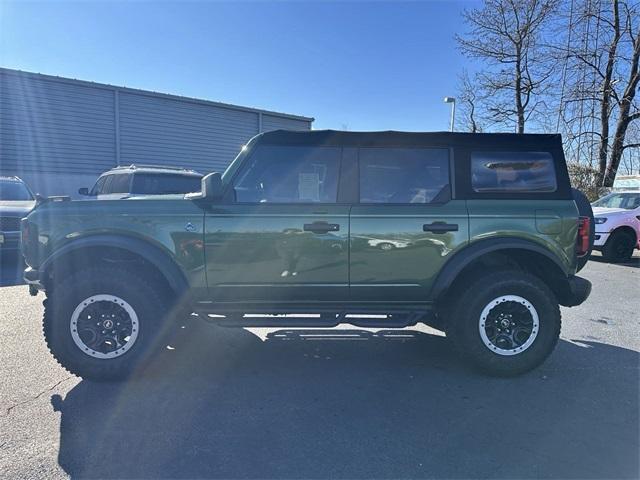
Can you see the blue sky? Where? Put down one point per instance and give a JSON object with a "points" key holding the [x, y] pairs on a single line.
{"points": [[355, 65]]}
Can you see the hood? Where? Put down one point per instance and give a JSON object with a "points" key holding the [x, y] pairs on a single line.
{"points": [[597, 211], [14, 208]]}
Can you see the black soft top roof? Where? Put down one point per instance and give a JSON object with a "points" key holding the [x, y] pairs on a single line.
{"points": [[391, 138]]}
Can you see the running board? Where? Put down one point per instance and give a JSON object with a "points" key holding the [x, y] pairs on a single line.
{"points": [[398, 319]]}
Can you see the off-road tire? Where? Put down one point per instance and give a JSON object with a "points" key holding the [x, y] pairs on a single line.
{"points": [[619, 247], [140, 293], [476, 293]]}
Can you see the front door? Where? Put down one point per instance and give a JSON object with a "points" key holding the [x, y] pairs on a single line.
{"points": [[282, 237], [406, 225]]}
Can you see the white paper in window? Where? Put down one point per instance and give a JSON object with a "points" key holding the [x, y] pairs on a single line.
{"points": [[309, 187]]}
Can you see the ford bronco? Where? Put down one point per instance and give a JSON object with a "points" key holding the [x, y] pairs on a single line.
{"points": [[478, 235]]}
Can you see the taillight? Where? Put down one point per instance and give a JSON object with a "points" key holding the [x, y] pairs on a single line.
{"points": [[28, 240], [584, 231]]}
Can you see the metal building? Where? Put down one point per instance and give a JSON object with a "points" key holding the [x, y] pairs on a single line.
{"points": [[59, 134]]}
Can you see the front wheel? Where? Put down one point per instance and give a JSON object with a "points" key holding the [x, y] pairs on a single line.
{"points": [[505, 323], [101, 323]]}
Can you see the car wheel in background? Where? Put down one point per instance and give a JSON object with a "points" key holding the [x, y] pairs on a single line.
{"points": [[619, 247]]}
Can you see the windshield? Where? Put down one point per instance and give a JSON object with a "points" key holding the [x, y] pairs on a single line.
{"points": [[628, 201], [233, 167], [159, 184], [14, 191]]}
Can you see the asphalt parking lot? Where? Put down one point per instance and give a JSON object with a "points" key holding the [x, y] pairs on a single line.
{"points": [[227, 403]]}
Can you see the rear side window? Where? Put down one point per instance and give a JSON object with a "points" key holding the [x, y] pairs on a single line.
{"points": [[512, 172], [279, 174], [164, 184], [404, 175]]}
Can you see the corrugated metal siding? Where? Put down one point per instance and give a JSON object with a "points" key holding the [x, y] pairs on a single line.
{"points": [[68, 127], [54, 127], [171, 132], [271, 122]]}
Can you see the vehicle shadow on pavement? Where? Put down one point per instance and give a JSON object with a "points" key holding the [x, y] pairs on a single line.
{"points": [[633, 262], [221, 403]]}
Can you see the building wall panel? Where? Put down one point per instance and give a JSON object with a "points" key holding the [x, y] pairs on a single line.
{"points": [[51, 127], [272, 122], [169, 132], [59, 134]]}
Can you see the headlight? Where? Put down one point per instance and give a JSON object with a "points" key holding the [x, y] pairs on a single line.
{"points": [[599, 220]]}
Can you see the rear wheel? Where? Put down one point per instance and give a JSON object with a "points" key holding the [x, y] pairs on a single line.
{"points": [[619, 247], [505, 323], [101, 323]]}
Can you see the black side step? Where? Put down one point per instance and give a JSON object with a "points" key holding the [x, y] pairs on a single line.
{"points": [[397, 319]]}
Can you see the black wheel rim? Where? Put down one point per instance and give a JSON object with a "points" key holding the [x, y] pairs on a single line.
{"points": [[104, 326], [509, 325]]}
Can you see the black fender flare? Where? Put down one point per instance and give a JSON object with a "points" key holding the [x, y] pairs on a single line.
{"points": [[472, 252], [167, 266]]}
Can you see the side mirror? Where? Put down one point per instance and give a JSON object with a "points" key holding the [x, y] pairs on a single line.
{"points": [[83, 191], [211, 188]]}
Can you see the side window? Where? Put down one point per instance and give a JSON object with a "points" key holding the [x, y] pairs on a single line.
{"points": [[280, 174], [512, 172], [99, 185], [160, 184], [404, 175], [120, 183], [106, 186]]}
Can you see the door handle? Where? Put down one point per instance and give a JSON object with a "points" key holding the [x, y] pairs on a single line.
{"points": [[321, 227], [440, 227]]}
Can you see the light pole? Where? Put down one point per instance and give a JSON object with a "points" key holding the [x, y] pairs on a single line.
{"points": [[452, 101]]}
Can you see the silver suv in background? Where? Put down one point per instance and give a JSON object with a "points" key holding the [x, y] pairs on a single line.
{"points": [[144, 180]]}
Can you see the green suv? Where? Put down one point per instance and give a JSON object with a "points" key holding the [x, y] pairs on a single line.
{"points": [[478, 235]]}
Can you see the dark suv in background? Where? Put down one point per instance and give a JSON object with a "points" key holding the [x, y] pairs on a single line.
{"points": [[16, 201], [144, 180]]}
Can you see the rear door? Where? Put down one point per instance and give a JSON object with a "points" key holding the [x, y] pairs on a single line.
{"points": [[406, 224], [282, 236]]}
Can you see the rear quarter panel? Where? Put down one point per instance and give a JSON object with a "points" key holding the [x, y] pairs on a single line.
{"points": [[551, 224]]}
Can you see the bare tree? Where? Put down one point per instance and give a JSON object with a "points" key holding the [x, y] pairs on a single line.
{"points": [[628, 109], [630, 162], [506, 36], [602, 56], [469, 100]]}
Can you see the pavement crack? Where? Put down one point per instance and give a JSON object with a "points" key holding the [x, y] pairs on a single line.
{"points": [[35, 397]]}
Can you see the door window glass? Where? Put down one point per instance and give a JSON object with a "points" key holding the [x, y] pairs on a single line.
{"points": [[105, 186], [162, 183], [99, 185], [512, 172], [404, 175], [119, 183], [279, 174]]}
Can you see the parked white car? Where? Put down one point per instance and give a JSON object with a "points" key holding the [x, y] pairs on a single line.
{"points": [[617, 219]]}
